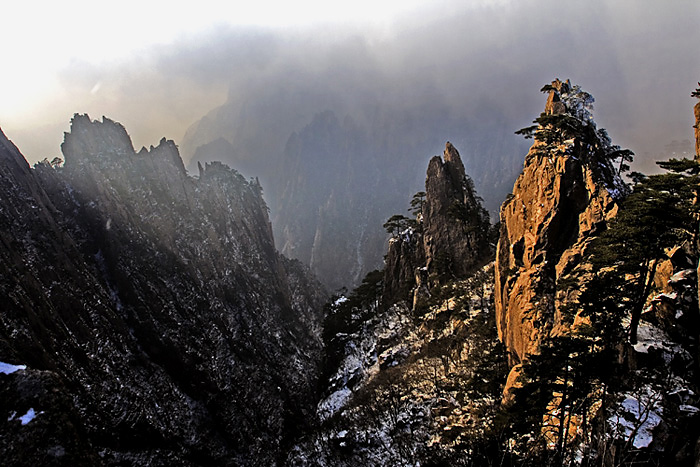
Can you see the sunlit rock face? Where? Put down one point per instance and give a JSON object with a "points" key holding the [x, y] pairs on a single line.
{"points": [[158, 303], [560, 201]]}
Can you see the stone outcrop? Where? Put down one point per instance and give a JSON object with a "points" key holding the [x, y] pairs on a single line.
{"points": [[404, 258], [559, 202], [455, 225], [334, 175], [153, 305], [451, 239]]}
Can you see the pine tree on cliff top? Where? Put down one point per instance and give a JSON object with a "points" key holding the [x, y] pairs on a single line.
{"points": [[570, 122], [696, 93]]}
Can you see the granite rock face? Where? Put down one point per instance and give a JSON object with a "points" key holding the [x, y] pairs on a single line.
{"points": [[450, 239], [404, 267], [156, 303], [455, 225], [561, 200]]}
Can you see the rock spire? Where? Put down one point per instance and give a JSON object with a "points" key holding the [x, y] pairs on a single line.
{"points": [[562, 198], [451, 239]]}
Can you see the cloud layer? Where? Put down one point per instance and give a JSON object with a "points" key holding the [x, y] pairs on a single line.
{"points": [[484, 61]]}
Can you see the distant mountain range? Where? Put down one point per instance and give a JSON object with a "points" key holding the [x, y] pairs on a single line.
{"points": [[332, 177]]}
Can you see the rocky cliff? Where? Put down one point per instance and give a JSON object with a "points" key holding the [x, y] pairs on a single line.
{"points": [[153, 305], [451, 237], [561, 200], [405, 274], [455, 225], [338, 175]]}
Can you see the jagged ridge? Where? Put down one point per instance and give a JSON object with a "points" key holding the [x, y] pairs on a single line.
{"points": [[159, 300]]}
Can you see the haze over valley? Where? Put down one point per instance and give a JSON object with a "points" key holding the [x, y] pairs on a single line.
{"points": [[367, 233]]}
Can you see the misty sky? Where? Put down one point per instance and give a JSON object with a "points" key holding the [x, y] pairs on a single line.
{"points": [[157, 67]]}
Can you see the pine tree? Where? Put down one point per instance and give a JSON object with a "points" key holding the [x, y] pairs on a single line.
{"points": [[417, 204], [560, 385], [657, 215], [396, 224]]}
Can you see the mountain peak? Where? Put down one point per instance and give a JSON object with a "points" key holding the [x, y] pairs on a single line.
{"points": [[88, 139], [560, 201], [452, 231], [554, 105], [451, 209]]}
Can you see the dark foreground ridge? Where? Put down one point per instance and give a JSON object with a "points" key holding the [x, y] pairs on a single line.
{"points": [[147, 318], [157, 322]]}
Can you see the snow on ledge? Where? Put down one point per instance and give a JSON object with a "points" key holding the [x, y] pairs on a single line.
{"points": [[8, 369], [637, 417], [686, 274], [26, 418]]}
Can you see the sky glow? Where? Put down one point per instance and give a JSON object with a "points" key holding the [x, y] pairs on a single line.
{"points": [[157, 67], [43, 39]]}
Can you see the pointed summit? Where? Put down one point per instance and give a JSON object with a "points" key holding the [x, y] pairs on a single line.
{"points": [[554, 104], [455, 224], [560, 202]]}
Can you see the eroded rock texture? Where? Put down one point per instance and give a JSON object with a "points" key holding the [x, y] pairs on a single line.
{"points": [[451, 239], [156, 302], [562, 198], [455, 225]]}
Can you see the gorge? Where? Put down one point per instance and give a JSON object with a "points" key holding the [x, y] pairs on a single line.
{"points": [[149, 319]]}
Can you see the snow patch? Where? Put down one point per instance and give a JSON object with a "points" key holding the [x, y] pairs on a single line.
{"points": [[637, 416], [8, 369], [683, 275], [670, 296], [689, 408], [341, 299], [26, 418]]}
